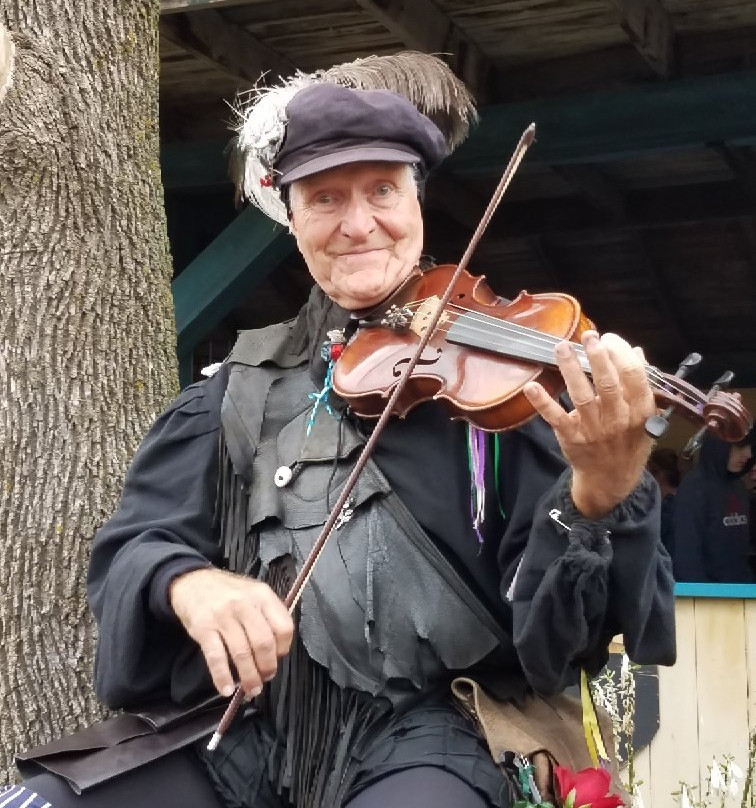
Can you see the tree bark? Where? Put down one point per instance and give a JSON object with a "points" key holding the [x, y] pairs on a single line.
{"points": [[87, 337]]}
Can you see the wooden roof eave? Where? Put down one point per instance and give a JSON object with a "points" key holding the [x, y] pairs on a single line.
{"points": [[586, 128]]}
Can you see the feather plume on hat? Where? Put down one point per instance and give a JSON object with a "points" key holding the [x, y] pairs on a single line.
{"points": [[424, 80]]}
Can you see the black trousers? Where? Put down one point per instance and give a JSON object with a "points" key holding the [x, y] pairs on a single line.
{"points": [[179, 780]]}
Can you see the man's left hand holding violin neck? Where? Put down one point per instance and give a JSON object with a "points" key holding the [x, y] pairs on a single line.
{"points": [[603, 437]]}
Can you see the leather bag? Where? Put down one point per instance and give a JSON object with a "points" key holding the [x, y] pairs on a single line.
{"points": [[124, 742], [548, 731]]}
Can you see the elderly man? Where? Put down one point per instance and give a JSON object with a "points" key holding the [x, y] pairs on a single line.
{"points": [[231, 487]]}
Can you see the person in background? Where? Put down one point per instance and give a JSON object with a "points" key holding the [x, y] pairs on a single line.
{"points": [[711, 536], [664, 465]]}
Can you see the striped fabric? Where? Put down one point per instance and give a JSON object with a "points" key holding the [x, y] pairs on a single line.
{"points": [[21, 797]]}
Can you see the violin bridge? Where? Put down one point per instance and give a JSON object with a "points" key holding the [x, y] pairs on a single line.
{"points": [[425, 312]]}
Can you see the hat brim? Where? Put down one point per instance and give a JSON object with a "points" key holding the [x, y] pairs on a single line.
{"points": [[354, 154]]}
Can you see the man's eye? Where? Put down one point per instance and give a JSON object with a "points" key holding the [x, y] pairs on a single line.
{"points": [[323, 199], [384, 189]]}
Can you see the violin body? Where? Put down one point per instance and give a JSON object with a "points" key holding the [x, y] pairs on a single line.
{"points": [[476, 383], [482, 352]]}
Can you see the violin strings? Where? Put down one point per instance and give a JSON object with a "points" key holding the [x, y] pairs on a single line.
{"points": [[539, 339], [540, 342]]}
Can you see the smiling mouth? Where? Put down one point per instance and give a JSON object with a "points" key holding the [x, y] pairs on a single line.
{"points": [[352, 253]]}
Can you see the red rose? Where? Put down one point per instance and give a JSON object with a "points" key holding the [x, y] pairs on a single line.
{"points": [[587, 787]]}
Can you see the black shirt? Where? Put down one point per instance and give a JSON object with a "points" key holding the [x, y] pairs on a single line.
{"points": [[571, 595]]}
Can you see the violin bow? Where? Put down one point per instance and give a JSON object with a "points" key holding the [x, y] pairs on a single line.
{"points": [[340, 506]]}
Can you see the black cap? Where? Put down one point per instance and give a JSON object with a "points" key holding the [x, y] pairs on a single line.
{"points": [[329, 125]]}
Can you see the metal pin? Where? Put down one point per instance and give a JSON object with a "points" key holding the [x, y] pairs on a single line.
{"points": [[554, 513]]}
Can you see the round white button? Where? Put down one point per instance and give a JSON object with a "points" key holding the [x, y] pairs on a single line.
{"points": [[283, 476]]}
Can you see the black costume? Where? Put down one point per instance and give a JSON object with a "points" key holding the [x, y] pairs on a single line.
{"points": [[403, 597]]}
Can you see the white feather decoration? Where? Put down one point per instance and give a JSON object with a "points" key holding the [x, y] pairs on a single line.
{"points": [[424, 80], [260, 133]]}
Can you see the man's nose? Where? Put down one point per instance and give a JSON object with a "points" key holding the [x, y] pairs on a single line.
{"points": [[357, 221]]}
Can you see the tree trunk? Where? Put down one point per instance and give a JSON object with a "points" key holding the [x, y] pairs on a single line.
{"points": [[87, 338]]}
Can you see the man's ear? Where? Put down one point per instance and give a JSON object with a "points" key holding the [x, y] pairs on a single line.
{"points": [[286, 198]]}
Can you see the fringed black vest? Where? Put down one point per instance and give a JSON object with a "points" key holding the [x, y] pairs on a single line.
{"points": [[384, 618]]}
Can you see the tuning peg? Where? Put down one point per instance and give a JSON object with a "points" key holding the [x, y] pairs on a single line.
{"points": [[690, 361], [693, 445], [722, 382], [656, 425]]}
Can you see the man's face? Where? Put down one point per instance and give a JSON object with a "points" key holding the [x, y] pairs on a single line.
{"points": [[739, 456], [359, 228]]}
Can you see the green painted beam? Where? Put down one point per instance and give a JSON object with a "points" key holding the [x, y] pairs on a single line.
{"points": [[194, 164], [241, 256], [586, 128], [615, 124]]}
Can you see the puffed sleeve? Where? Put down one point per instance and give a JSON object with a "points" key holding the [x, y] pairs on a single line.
{"points": [[165, 519], [573, 588]]}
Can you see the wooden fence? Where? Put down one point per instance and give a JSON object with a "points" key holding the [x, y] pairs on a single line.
{"points": [[707, 701]]}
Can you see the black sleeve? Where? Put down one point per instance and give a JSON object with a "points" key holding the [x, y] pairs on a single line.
{"points": [[165, 520], [572, 590]]}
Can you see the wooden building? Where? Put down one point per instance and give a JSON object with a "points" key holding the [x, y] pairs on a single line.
{"points": [[639, 198]]}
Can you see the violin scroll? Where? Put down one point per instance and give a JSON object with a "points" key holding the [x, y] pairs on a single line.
{"points": [[726, 417], [717, 411]]}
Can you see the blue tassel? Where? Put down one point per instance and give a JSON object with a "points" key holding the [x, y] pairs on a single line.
{"points": [[321, 398]]}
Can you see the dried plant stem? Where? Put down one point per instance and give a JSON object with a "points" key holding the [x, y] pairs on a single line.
{"points": [[749, 800]]}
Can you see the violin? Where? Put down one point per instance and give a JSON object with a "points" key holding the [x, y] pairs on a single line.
{"points": [[484, 350]]}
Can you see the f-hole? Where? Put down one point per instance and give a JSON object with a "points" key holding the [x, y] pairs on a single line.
{"points": [[397, 371]]}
